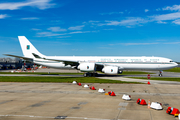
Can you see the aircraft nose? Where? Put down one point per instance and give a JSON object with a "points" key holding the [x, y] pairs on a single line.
{"points": [[175, 64]]}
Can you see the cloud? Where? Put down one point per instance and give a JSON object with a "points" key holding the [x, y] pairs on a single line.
{"points": [[40, 4], [132, 21], [51, 34], [111, 13], [139, 20], [173, 8], [58, 42], [79, 32], [77, 49], [161, 22], [56, 29], [30, 18], [105, 48], [146, 10], [172, 43], [3, 16], [128, 22], [170, 16], [109, 29], [174, 17], [8, 39], [130, 44], [47, 34], [35, 29], [161, 42], [159, 9], [91, 21], [76, 27], [64, 36], [177, 22]]}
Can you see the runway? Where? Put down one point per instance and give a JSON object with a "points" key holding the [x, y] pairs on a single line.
{"points": [[51, 70], [120, 77], [39, 101]]}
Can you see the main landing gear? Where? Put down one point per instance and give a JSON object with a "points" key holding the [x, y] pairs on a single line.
{"points": [[160, 73], [90, 74]]}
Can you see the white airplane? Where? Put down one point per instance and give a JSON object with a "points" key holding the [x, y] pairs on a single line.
{"points": [[91, 64]]}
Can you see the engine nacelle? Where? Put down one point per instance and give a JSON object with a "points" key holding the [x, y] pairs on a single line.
{"points": [[110, 70], [86, 67]]}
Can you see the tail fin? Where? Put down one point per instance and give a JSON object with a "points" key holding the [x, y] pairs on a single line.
{"points": [[28, 49]]}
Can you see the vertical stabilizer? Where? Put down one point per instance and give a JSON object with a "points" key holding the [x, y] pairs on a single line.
{"points": [[28, 49]]}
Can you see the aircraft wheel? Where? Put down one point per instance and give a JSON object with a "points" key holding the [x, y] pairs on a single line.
{"points": [[85, 74], [95, 74], [160, 75], [89, 74], [120, 72]]}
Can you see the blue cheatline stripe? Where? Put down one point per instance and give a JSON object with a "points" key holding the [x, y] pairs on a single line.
{"points": [[135, 62], [47, 61], [111, 62]]}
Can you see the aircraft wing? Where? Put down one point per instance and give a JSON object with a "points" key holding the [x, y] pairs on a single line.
{"points": [[101, 64], [67, 62], [21, 57], [71, 62]]}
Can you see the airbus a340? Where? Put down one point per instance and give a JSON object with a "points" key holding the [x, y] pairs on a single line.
{"points": [[91, 64]]}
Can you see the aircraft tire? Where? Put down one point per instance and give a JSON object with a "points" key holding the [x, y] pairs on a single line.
{"points": [[89, 74], [85, 74], [160, 75]]}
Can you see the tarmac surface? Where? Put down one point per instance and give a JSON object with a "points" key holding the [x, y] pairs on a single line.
{"points": [[49, 70], [39, 101], [155, 73], [140, 80]]}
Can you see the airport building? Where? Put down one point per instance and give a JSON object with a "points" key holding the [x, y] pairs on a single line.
{"points": [[10, 63]]}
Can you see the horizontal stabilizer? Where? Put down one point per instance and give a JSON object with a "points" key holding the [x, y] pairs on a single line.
{"points": [[25, 58]]}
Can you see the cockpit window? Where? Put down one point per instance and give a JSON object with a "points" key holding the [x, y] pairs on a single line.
{"points": [[171, 61]]}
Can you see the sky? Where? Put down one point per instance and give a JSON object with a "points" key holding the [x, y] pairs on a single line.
{"points": [[92, 27]]}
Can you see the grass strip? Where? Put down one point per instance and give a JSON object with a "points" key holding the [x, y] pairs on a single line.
{"points": [[134, 72], [45, 73], [176, 69], [158, 78], [60, 79], [42, 73]]}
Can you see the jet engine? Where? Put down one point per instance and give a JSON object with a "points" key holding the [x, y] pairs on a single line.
{"points": [[110, 70], [86, 67]]}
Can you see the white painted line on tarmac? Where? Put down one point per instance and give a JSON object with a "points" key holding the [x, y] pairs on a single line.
{"points": [[121, 108], [123, 104], [88, 118], [32, 116], [25, 116], [93, 118]]}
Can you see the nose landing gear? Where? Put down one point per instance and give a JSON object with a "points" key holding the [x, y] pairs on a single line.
{"points": [[160, 73]]}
